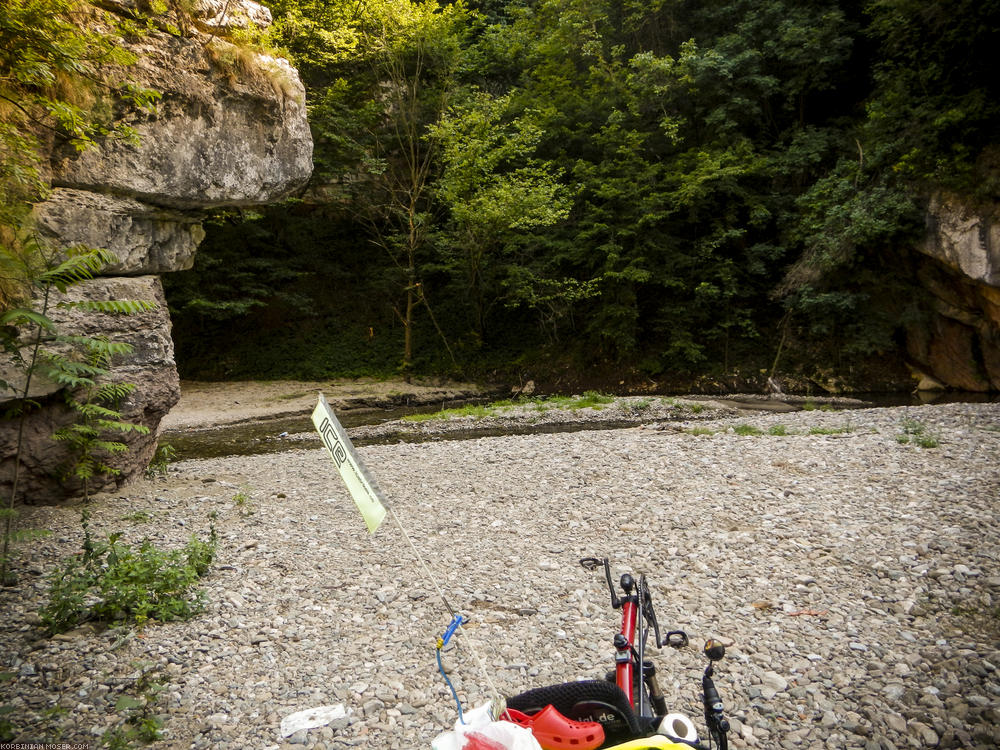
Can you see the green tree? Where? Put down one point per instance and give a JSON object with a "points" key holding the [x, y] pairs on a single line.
{"points": [[388, 77], [936, 106], [930, 123], [495, 190], [726, 180]]}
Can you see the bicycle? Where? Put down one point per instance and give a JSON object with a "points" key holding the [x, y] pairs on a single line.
{"points": [[628, 703]]}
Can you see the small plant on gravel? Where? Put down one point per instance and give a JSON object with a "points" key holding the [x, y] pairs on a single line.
{"points": [[476, 411], [777, 429], [701, 431], [138, 722], [164, 455], [244, 503], [139, 516], [813, 406], [916, 433], [590, 400], [111, 582], [747, 429], [557, 402], [697, 408], [636, 407], [829, 430]]}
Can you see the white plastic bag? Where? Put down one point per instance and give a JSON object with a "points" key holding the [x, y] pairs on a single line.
{"points": [[480, 731], [311, 718]]}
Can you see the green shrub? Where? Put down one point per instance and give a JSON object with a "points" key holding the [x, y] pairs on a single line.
{"points": [[112, 582], [777, 429], [476, 411], [591, 400], [244, 503], [635, 408], [747, 429]]}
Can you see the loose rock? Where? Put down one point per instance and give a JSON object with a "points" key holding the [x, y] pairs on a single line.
{"points": [[854, 538]]}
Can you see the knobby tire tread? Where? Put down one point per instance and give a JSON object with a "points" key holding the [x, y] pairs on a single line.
{"points": [[567, 695]]}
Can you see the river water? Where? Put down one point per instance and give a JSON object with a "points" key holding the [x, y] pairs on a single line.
{"points": [[274, 435]]}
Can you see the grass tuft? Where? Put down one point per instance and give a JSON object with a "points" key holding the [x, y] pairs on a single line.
{"points": [[918, 434]]}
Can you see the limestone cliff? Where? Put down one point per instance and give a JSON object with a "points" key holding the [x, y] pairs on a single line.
{"points": [[230, 129], [960, 347]]}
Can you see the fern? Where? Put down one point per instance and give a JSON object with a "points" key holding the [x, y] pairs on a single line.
{"points": [[98, 415], [99, 350], [22, 316], [77, 366], [81, 266], [66, 372], [112, 306], [115, 392]]}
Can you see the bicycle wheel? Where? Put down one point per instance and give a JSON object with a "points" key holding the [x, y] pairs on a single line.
{"points": [[586, 700]]}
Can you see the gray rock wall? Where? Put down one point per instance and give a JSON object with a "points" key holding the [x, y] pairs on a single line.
{"points": [[960, 346], [230, 129]]}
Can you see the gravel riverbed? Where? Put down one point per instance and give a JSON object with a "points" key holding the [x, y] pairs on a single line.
{"points": [[853, 576]]}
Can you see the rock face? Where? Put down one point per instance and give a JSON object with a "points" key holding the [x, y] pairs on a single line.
{"points": [[229, 129], [960, 347]]}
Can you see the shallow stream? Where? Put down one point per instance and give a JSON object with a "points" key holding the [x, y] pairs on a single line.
{"points": [[294, 432]]}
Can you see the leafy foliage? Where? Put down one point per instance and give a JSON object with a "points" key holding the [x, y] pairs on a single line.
{"points": [[109, 582], [138, 721], [663, 188], [62, 70], [97, 416], [37, 348], [164, 454]]}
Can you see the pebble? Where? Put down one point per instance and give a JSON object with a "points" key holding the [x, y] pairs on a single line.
{"points": [[852, 577]]}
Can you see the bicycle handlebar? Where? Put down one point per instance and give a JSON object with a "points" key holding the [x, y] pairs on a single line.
{"points": [[592, 563], [716, 722], [674, 638]]}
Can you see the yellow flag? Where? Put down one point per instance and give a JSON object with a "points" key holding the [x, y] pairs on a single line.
{"points": [[365, 492]]}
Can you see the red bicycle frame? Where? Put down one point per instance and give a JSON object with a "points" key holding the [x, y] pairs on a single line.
{"points": [[624, 664], [630, 642]]}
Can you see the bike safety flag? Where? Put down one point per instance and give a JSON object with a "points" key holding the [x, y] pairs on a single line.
{"points": [[365, 492]]}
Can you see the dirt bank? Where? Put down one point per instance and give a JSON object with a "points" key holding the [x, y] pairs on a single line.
{"points": [[205, 404]]}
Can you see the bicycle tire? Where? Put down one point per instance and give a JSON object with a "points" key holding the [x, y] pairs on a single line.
{"points": [[585, 700]]}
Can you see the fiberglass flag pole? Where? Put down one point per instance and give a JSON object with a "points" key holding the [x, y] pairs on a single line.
{"points": [[374, 507]]}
